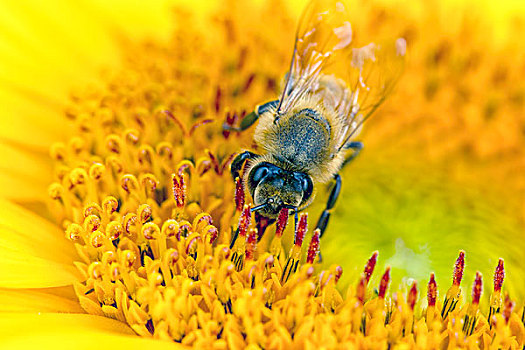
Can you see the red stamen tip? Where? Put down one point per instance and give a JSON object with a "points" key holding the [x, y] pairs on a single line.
{"points": [[214, 234], [412, 296], [282, 221], [182, 168], [239, 194], [458, 268], [370, 266], [251, 244], [313, 248], [361, 289], [432, 291], [499, 276], [302, 227], [214, 161], [218, 98], [199, 124], [245, 221], [338, 273], [508, 307], [385, 280], [179, 190], [477, 288]]}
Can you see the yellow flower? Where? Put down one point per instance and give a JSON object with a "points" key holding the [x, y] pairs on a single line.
{"points": [[151, 237]]}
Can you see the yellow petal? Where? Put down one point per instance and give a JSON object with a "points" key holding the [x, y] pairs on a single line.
{"points": [[71, 331], [41, 300], [34, 252], [45, 50], [24, 176]]}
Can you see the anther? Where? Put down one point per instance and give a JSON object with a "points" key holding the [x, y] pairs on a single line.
{"points": [[76, 145], [58, 151], [97, 239], [499, 276], [127, 258], [179, 190], [96, 270], [165, 150], [458, 269], [239, 194], [55, 191], [383, 285], [131, 137], [282, 221], [146, 155], [170, 228], [370, 266], [114, 230], [244, 221], [251, 244], [432, 291], [91, 223], [171, 256], [109, 257], [149, 182], [508, 307], [96, 171], [115, 164], [78, 176], [313, 248], [212, 232], [301, 230], [113, 143], [361, 289], [110, 205], [92, 209], [477, 288], [74, 232], [144, 213], [412, 296], [150, 231], [129, 183], [338, 272], [130, 220]]}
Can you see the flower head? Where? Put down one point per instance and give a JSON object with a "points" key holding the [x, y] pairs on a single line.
{"points": [[165, 240]]}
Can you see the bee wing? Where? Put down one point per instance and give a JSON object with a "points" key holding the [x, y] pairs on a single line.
{"points": [[353, 75], [323, 29], [372, 74]]}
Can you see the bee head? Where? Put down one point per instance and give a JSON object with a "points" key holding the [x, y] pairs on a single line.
{"points": [[273, 188]]}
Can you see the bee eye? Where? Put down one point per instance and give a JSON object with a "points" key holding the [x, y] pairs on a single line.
{"points": [[306, 184], [259, 172], [308, 187]]}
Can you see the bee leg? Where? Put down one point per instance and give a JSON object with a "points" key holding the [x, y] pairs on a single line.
{"points": [[251, 118], [238, 162], [356, 147], [323, 219]]}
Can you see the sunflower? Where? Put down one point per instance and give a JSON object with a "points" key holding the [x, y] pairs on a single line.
{"points": [[121, 226]]}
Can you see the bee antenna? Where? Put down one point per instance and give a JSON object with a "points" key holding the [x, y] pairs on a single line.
{"points": [[259, 207]]}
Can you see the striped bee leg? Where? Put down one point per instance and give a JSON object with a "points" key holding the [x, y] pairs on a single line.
{"points": [[323, 219], [251, 118], [238, 162]]}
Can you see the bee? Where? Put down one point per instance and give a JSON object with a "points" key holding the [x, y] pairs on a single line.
{"points": [[307, 135]]}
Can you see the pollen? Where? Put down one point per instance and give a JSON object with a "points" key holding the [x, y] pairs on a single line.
{"points": [[168, 245]]}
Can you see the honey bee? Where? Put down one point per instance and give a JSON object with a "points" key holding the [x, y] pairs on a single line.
{"points": [[308, 134]]}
